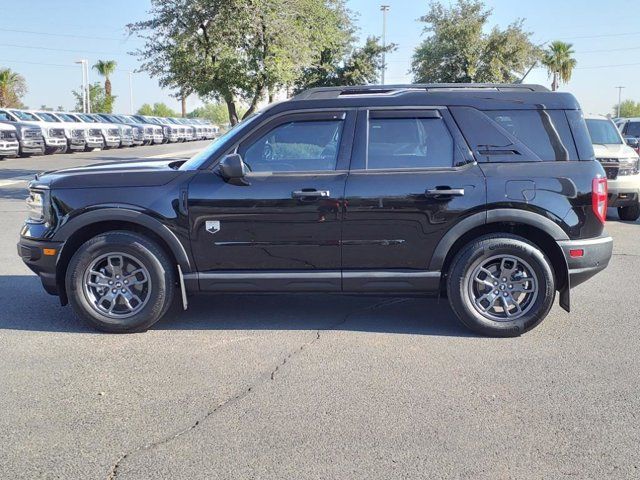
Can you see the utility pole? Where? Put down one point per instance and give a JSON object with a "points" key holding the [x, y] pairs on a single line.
{"points": [[86, 67], [130, 92], [619, 99], [385, 9], [84, 86]]}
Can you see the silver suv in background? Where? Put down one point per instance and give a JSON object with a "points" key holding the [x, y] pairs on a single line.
{"points": [[620, 162]]}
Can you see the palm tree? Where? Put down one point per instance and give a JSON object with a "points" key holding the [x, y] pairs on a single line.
{"points": [[558, 58], [106, 68], [12, 87]]}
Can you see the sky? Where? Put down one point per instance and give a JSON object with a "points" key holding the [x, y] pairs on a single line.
{"points": [[41, 39]]}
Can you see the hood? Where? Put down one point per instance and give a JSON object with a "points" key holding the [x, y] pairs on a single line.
{"points": [[7, 128], [125, 174], [616, 150]]}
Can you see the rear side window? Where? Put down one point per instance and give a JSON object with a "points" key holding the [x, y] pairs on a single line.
{"points": [[545, 132], [408, 142], [517, 135]]}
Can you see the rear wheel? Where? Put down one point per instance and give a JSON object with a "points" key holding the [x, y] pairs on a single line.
{"points": [[120, 282], [630, 213], [501, 285]]}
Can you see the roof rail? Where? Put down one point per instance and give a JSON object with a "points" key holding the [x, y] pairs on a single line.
{"points": [[335, 92]]}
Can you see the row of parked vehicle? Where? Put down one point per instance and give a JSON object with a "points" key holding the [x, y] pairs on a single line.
{"points": [[26, 132]]}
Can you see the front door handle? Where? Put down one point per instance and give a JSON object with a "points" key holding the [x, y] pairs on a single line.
{"points": [[310, 193], [445, 192]]}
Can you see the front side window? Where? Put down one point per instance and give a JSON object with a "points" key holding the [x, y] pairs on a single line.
{"points": [[603, 132], [29, 117], [296, 146], [47, 117], [409, 143]]}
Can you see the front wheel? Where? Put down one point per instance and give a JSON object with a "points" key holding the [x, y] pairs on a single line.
{"points": [[120, 282], [630, 213], [501, 285]]}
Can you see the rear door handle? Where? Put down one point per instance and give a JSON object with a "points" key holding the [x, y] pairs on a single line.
{"points": [[310, 193], [449, 192]]}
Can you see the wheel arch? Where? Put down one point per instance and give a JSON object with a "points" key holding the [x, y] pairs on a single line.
{"points": [[539, 230], [88, 225]]}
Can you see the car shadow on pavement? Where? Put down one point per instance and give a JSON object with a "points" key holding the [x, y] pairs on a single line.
{"points": [[14, 193], [27, 307]]}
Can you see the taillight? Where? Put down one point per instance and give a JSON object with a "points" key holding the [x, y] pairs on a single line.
{"points": [[599, 198]]}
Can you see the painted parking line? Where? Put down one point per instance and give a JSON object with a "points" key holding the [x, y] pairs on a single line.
{"points": [[13, 181]]}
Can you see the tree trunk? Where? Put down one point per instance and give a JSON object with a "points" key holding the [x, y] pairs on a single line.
{"points": [[107, 87], [231, 108], [183, 102], [554, 84]]}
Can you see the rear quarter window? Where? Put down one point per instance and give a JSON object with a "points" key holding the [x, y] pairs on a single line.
{"points": [[517, 135]]}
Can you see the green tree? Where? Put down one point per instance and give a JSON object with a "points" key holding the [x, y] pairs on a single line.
{"points": [[216, 112], [235, 51], [106, 68], [458, 49], [99, 101], [360, 66], [628, 108], [13, 87], [158, 109], [559, 61]]}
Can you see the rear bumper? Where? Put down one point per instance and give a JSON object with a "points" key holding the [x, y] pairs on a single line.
{"points": [[590, 257]]}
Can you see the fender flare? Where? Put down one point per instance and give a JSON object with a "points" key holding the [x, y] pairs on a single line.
{"points": [[523, 217], [126, 214]]}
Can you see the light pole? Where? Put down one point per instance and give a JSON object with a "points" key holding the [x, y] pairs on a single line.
{"points": [[385, 9], [619, 99], [84, 86], [130, 92]]}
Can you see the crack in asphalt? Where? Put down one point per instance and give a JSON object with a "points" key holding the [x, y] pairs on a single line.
{"points": [[625, 255], [113, 472]]}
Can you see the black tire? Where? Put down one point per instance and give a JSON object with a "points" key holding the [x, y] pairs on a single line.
{"points": [[145, 252], [461, 279], [630, 213]]}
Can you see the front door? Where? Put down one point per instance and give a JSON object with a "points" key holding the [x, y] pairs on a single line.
{"points": [[281, 230], [412, 179]]}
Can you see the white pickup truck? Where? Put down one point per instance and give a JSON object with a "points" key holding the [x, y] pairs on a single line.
{"points": [[9, 146]]}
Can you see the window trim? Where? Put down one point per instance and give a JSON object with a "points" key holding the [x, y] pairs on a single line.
{"points": [[359, 158], [344, 151]]}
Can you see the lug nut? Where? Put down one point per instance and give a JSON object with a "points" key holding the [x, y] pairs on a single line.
{"points": [[124, 290], [510, 286], [505, 294], [114, 291], [497, 292], [110, 282], [126, 282]]}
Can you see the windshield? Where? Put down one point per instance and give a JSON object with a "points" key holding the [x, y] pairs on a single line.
{"points": [[47, 117], [633, 129], [66, 117], [30, 117], [214, 147], [603, 132], [86, 118]]}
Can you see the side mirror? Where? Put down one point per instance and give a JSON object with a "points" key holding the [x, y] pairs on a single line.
{"points": [[632, 142], [233, 169]]}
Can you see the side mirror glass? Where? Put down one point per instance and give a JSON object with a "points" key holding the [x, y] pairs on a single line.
{"points": [[632, 142], [233, 169]]}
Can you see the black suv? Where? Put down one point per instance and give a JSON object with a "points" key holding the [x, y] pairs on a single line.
{"points": [[488, 194]]}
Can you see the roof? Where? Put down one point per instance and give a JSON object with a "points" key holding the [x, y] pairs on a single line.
{"points": [[476, 95]]}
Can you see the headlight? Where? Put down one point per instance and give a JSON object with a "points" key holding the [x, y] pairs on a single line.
{"points": [[35, 207], [629, 166]]}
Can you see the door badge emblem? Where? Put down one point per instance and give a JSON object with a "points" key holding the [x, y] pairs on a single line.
{"points": [[212, 226]]}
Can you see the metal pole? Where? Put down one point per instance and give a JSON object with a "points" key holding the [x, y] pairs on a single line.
{"points": [[619, 99], [84, 89], [86, 66], [385, 9], [131, 92]]}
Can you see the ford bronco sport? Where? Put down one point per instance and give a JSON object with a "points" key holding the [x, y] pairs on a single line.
{"points": [[487, 194]]}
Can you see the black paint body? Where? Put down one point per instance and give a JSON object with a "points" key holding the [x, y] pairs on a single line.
{"points": [[373, 230]]}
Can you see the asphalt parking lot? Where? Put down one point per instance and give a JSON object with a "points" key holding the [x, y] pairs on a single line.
{"points": [[314, 386]]}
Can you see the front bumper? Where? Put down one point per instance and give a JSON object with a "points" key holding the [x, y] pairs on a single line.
{"points": [[55, 142], [32, 254], [8, 149], [95, 142], [126, 142], [589, 257], [112, 141], [624, 190], [32, 146], [76, 144], [158, 138]]}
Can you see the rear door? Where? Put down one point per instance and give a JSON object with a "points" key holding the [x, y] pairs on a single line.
{"points": [[412, 178]]}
